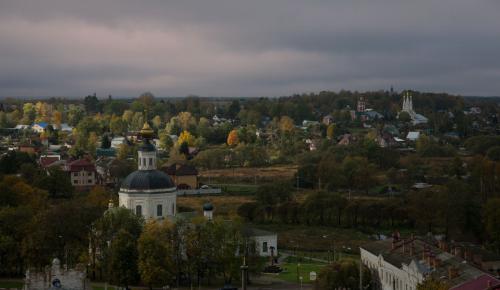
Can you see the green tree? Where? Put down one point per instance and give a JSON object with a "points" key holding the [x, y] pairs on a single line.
{"points": [[404, 117], [270, 196], [491, 218], [91, 104], [343, 274], [56, 182], [122, 267], [432, 284], [156, 263], [105, 142]]}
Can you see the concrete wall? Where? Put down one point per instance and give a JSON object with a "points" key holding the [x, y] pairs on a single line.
{"points": [[71, 279], [198, 191]]}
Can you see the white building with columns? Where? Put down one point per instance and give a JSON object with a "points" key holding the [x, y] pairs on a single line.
{"points": [[148, 192]]}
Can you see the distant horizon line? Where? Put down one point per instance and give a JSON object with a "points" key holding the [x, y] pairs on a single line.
{"points": [[105, 97]]}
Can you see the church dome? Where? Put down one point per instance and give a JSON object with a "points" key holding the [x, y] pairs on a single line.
{"points": [[147, 180], [208, 206]]}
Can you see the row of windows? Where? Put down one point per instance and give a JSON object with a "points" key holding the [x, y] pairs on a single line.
{"points": [[159, 210], [82, 173], [389, 278], [88, 181], [396, 283], [144, 162]]}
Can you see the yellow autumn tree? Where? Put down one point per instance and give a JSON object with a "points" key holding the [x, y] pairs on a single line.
{"points": [[286, 124], [232, 138], [330, 131], [57, 119], [186, 137], [186, 120]]}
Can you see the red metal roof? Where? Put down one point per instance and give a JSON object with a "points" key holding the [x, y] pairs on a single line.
{"points": [[482, 282], [47, 160]]}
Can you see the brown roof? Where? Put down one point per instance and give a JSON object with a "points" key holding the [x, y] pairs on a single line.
{"points": [[178, 169], [47, 160], [80, 165]]}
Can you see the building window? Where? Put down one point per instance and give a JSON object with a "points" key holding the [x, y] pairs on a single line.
{"points": [[159, 210], [144, 163], [89, 181], [75, 181], [138, 210], [75, 174], [264, 247], [150, 161]]}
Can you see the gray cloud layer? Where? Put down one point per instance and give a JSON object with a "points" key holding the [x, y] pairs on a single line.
{"points": [[247, 48]]}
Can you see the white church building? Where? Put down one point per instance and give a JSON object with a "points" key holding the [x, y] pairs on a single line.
{"points": [[148, 192], [408, 108]]}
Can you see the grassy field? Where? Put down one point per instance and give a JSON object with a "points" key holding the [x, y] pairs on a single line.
{"points": [[248, 175], [290, 271]]}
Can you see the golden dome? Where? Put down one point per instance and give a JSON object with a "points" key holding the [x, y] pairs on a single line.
{"points": [[146, 131]]}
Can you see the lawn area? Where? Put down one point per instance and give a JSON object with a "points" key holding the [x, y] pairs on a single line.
{"points": [[289, 273], [11, 284], [248, 175], [237, 189]]}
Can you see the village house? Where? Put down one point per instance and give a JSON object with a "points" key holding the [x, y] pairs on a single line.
{"points": [[346, 139], [46, 160], [328, 119], [82, 174], [184, 176], [39, 127]]}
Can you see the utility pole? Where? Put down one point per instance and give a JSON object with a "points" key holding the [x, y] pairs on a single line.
{"points": [[244, 270]]}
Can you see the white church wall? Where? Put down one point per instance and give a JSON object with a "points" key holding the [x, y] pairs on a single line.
{"points": [[270, 241], [149, 203]]}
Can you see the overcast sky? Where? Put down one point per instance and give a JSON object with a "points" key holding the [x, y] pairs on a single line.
{"points": [[248, 47]]}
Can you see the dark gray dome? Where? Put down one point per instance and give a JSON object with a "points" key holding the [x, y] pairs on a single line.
{"points": [[147, 179], [208, 206]]}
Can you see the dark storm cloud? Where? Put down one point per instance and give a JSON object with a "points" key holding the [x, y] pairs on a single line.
{"points": [[247, 48]]}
